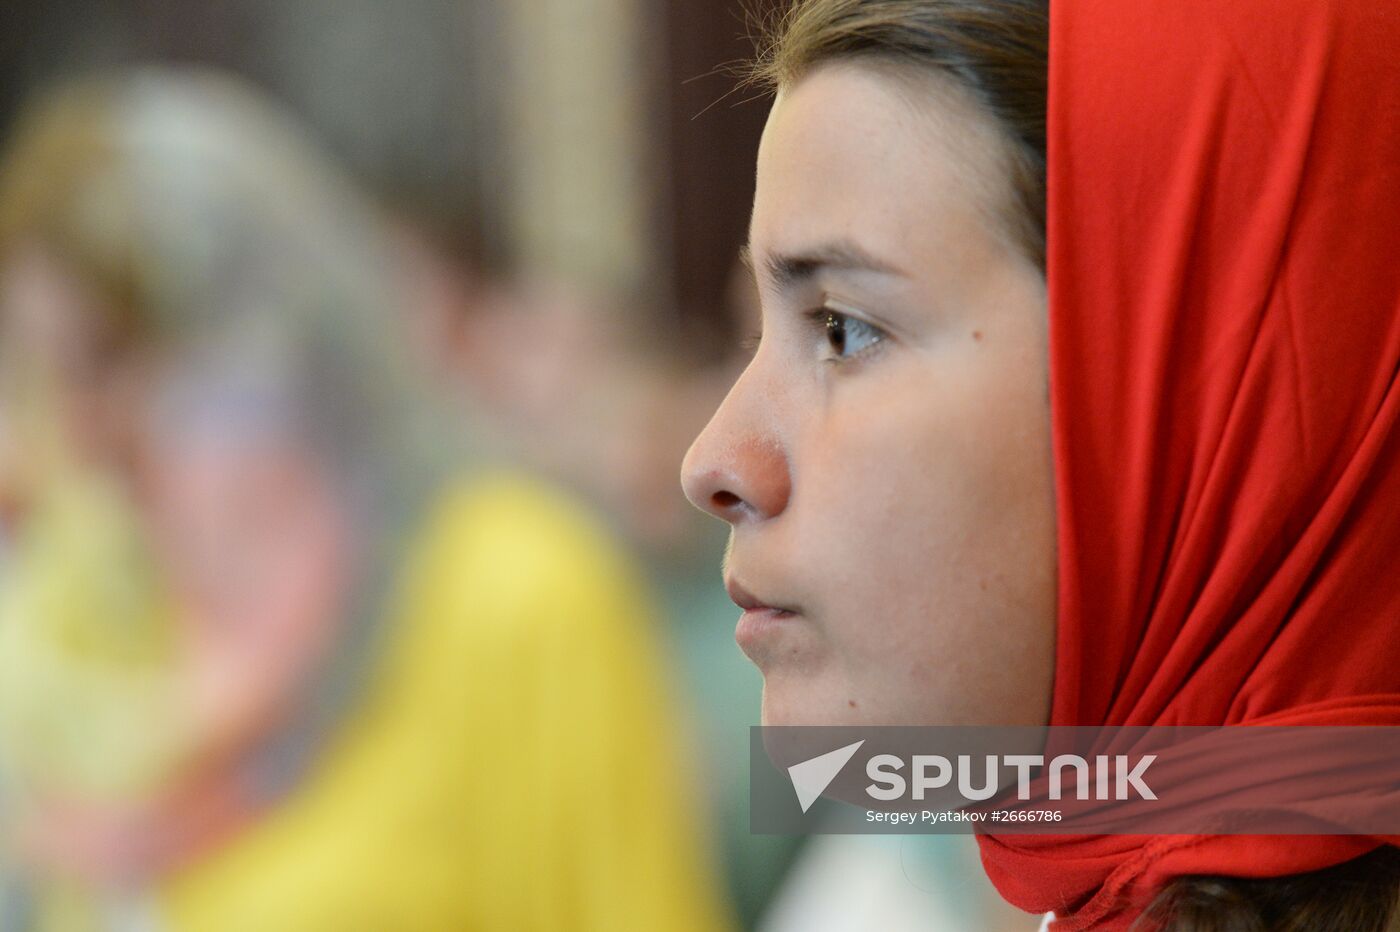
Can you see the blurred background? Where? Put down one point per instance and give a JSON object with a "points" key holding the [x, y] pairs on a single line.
{"points": [[348, 354]]}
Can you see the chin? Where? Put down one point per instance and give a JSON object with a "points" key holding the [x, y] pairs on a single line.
{"points": [[783, 704]]}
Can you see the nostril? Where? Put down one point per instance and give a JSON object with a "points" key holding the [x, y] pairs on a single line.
{"points": [[724, 500]]}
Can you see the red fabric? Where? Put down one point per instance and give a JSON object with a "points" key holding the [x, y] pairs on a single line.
{"points": [[1224, 277]]}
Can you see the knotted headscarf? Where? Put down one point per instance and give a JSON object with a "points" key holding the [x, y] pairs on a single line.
{"points": [[1224, 281]]}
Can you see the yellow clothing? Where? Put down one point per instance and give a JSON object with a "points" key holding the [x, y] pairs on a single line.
{"points": [[87, 700], [515, 765]]}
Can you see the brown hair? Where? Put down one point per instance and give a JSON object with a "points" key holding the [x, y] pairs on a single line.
{"points": [[996, 49], [1360, 895], [999, 51]]}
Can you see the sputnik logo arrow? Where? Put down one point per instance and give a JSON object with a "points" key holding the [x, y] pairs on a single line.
{"points": [[811, 777]]}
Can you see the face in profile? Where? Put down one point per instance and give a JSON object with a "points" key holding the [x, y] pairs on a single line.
{"points": [[884, 461]]}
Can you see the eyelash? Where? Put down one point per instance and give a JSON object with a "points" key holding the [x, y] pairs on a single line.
{"points": [[825, 320], [821, 319]]}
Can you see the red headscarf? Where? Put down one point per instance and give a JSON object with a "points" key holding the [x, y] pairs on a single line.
{"points": [[1224, 279]]}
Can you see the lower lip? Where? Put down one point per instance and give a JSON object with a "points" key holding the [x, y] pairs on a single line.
{"points": [[757, 624]]}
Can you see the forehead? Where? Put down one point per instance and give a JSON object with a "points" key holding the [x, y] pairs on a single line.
{"points": [[899, 161]]}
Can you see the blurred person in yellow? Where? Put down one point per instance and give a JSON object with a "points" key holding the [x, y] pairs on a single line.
{"points": [[278, 650]]}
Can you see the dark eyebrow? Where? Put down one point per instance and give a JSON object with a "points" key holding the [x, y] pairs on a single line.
{"points": [[786, 270]]}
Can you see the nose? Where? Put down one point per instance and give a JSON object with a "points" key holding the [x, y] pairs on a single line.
{"points": [[737, 468]]}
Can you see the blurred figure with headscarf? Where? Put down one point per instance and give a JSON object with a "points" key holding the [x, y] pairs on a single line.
{"points": [[277, 650]]}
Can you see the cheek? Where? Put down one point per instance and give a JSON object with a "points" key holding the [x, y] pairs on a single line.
{"points": [[931, 479]]}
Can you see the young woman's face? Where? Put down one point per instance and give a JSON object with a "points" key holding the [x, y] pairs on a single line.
{"points": [[884, 461]]}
